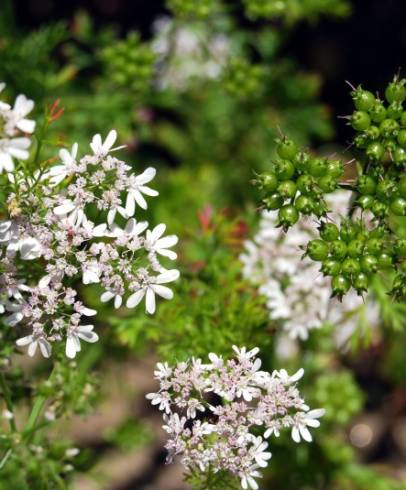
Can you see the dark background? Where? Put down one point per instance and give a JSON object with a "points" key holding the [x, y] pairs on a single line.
{"points": [[368, 47]]}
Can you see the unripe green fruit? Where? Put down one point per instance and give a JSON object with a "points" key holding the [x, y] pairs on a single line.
{"points": [[395, 110], [395, 91], [402, 186], [284, 170], [372, 132], [375, 151], [379, 209], [304, 204], [378, 232], [388, 128], [274, 201], [328, 232], [286, 149], [361, 282], [385, 188], [373, 246], [348, 232], [369, 263], [385, 261], [403, 119], [317, 167], [366, 185], [402, 138], [338, 249], [355, 248], [335, 168], [327, 183], [366, 202], [268, 182], [399, 156], [400, 247], [317, 250], [361, 141], [331, 267], [300, 161], [305, 184], [390, 145], [398, 206], [287, 189], [340, 285], [363, 99], [360, 120], [378, 112], [350, 267], [319, 208], [288, 215]]}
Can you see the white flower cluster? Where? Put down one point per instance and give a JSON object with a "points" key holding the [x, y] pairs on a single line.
{"points": [[188, 53], [296, 291], [13, 125], [50, 241], [211, 410]]}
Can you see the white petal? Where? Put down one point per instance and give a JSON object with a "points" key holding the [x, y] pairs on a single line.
{"points": [[150, 301], [24, 341], [295, 434], [65, 208], [162, 291], [167, 276], [118, 300], [106, 296], [70, 347], [32, 348], [111, 138], [135, 298]]}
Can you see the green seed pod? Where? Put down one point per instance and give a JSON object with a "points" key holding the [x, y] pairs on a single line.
{"points": [[378, 112], [304, 204], [360, 120], [369, 263], [366, 202], [305, 184], [328, 232], [361, 282], [335, 168], [395, 91], [327, 183], [338, 249], [385, 261], [317, 250], [300, 161], [317, 167], [340, 285], [375, 151], [363, 99], [350, 267], [287, 189], [395, 110], [399, 156], [388, 128], [286, 149], [403, 119], [284, 170], [348, 231], [379, 209], [274, 201], [372, 133], [268, 182], [366, 185], [373, 246], [288, 216], [355, 248], [402, 186], [400, 247], [385, 188], [398, 206], [402, 138], [331, 267]]}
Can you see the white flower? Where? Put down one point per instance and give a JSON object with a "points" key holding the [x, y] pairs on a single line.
{"points": [[162, 370], [91, 272], [304, 420], [33, 341], [17, 148], [248, 478], [101, 149], [108, 295], [15, 118], [137, 188], [162, 399], [153, 286], [30, 248], [132, 229], [59, 172], [260, 455], [243, 354], [155, 243], [84, 332], [174, 424], [91, 229], [285, 378], [72, 210]]}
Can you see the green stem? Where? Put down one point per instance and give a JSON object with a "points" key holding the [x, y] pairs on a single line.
{"points": [[8, 400], [5, 458]]}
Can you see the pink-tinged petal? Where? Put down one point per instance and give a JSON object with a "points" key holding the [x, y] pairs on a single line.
{"points": [[130, 204], [118, 300], [64, 208], [135, 298], [167, 276], [24, 341], [162, 291], [111, 138], [148, 191], [70, 349], [32, 348], [150, 301], [106, 296]]}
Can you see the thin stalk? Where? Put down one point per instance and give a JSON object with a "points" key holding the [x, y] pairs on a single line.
{"points": [[8, 400]]}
